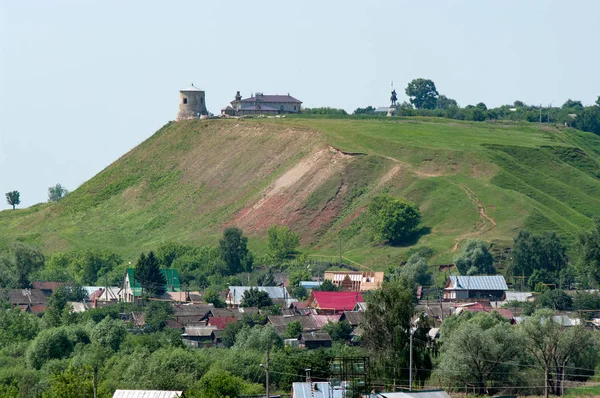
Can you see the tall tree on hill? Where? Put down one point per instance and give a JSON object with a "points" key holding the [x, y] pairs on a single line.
{"points": [[422, 93], [13, 198], [148, 274], [392, 219], [538, 252], [56, 193], [282, 242], [234, 251]]}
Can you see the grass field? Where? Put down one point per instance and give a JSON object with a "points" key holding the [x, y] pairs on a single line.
{"points": [[192, 178]]}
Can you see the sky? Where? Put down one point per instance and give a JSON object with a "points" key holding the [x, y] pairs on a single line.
{"points": [[82, 82]]}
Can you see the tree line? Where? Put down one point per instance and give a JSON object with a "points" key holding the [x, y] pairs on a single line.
{"points": [[425, 100]]}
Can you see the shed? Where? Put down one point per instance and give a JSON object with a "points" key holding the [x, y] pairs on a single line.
{"points": [[320, 389], [315, 340], [235, 293], [199, 336]]}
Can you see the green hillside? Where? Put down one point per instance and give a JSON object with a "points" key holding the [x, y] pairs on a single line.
{"points": [[191, 179]]}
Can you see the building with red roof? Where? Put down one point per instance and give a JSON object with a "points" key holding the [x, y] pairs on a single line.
{"points": [[221, 321], [334, 302], [480, 307]]}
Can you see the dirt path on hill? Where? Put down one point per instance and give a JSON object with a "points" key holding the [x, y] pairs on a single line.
{"points": [[413, 169], [486, 222]]}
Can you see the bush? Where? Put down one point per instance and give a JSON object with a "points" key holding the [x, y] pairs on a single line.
{"points": [[393, 219], [555, 299], [49, 344]]}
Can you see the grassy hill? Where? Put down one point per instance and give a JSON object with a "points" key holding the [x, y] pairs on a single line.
{"points": [[192, 178]]}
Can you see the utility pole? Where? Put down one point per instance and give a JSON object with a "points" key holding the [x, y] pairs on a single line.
{"points": [[267, 372], [410, 361]]}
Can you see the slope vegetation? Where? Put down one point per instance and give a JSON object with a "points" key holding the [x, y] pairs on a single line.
{"points": [[193, 178]]}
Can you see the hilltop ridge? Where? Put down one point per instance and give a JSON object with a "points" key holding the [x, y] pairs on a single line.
{"points": [[192, 178]]}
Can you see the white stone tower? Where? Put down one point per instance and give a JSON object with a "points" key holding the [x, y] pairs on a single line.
{"points": [[192, 103]]}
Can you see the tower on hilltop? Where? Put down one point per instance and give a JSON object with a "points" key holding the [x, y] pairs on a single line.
{"points": [[192, 103]]}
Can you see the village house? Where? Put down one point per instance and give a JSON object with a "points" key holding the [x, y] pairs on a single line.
{"points": [[355, 281], [199, 336], [334, 302], [315, 340], [276, 293], [28, 300], [492, 288], [262, 104], [131, 291]]}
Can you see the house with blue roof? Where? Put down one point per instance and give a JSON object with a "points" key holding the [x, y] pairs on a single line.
{"points": [[491, 287]]}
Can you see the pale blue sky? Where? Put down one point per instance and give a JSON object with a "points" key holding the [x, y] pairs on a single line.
{"points": [[82, 82]]}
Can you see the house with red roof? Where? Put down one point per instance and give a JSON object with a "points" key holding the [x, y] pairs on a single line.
{"points": [[480, 307], [221, 321], [334, 302]]}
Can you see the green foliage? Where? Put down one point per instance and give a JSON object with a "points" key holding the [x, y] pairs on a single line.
{"points": [[586, 301], [588, 245], [256, 298], [109, 333], [297, 274], [57, 303], [369, 110], [17, 326], [393, 219], [555, 299], [483, 350], [156, 315], [49, 344], [212, 296], [415, 270], [148, 274], [588, 119], [553, 347], [234, 251], [267, 279], [56, 193], [327, 286], [338, 331], [324, 111], [293, 330], [282, 242], [544, 253], [475, 259], [444, 102], [387, 324], [300, 293], [218, 383], [20, 264], [13, 198], [422, 93], [258, 338]]}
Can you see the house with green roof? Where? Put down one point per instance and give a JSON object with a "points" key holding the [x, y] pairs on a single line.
{"points": [[131, 290]]}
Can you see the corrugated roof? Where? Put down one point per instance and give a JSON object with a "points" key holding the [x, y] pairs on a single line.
{"points": [[414, 394], [310, 284], [339, 301], [316, 336], [147, 394], [199, 331], [221, 321], [237, 292], [271, 98], [479, 282], [316, 390]]}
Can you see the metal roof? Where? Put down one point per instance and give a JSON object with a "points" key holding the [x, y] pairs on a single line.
{"points": [[199, 331], [271, 98], [479, 282], [316, 390], [147, 394], [414, 394], [309, 284], [237, 292]]}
